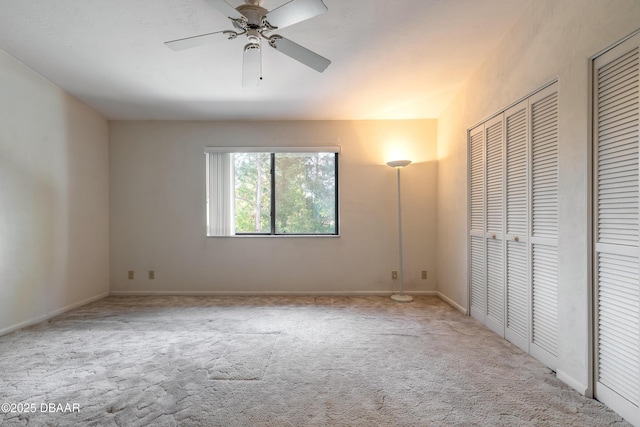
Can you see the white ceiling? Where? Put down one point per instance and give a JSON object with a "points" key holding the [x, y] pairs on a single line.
{"points": [[391, 59]]}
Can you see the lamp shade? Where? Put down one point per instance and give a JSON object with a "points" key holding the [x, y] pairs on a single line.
{"points": [[399, 163]]}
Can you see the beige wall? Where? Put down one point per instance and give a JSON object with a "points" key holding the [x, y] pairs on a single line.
{"points": [[158, 210], [553, 39], [54, 247]]}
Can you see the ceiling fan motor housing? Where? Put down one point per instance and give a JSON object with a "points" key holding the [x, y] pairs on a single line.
{"points": [[254, 15]]}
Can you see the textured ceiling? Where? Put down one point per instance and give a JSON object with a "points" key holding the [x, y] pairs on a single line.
{"points": [[391, 59]]}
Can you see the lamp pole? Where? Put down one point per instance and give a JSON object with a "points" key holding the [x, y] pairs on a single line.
{"points": [[401, 297]]}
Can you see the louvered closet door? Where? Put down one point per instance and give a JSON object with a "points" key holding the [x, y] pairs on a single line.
{"points": [[494, 225], [477, 274], [616, 255], [543, 115], [517, 229]]}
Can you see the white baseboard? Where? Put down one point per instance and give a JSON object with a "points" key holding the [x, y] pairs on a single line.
{"points": [[452, 303], [572, 382], [51, 314], [264, 293], [427, 293]]}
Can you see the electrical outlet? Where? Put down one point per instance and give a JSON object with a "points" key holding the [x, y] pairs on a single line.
{"points": [[152, 274], [394, 274], [424, 274], [130, 274]]}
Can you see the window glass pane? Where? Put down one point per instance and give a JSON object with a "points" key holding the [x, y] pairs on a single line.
{"points": [[305, 193], [253, 192]]}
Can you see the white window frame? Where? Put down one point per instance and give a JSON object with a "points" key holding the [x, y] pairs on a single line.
{"points": [[217, 230]]}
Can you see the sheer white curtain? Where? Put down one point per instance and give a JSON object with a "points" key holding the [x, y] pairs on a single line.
{"points": [[221, 194]]}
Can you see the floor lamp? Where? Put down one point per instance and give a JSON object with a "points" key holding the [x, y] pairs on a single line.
{"points": [[401, 297]]}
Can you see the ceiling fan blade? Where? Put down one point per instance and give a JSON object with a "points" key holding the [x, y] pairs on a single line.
{"points": [[200, 40], [252, 65], [295, 11], [299, 53], [225, 8]]}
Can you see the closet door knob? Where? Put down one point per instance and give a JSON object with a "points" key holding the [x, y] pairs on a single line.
{"points": [[517, 239], [493, 235]]}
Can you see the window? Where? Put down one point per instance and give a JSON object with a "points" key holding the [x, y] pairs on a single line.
{"points": [[272, 191]]}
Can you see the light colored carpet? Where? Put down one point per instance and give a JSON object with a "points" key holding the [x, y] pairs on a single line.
{"points": [[280, 361]]}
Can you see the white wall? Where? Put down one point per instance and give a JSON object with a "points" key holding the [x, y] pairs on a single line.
{"points": [[553, 39], [54, 241], [157, 189]]}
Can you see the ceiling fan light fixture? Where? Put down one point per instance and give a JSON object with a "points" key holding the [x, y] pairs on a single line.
{"points": [[253, 37], [252, 65]]}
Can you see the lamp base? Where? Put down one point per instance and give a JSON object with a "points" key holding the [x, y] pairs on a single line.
{"points": [[401, 298]]}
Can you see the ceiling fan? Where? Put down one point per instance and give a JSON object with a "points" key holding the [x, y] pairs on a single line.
{"points": [[256, 23]]}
